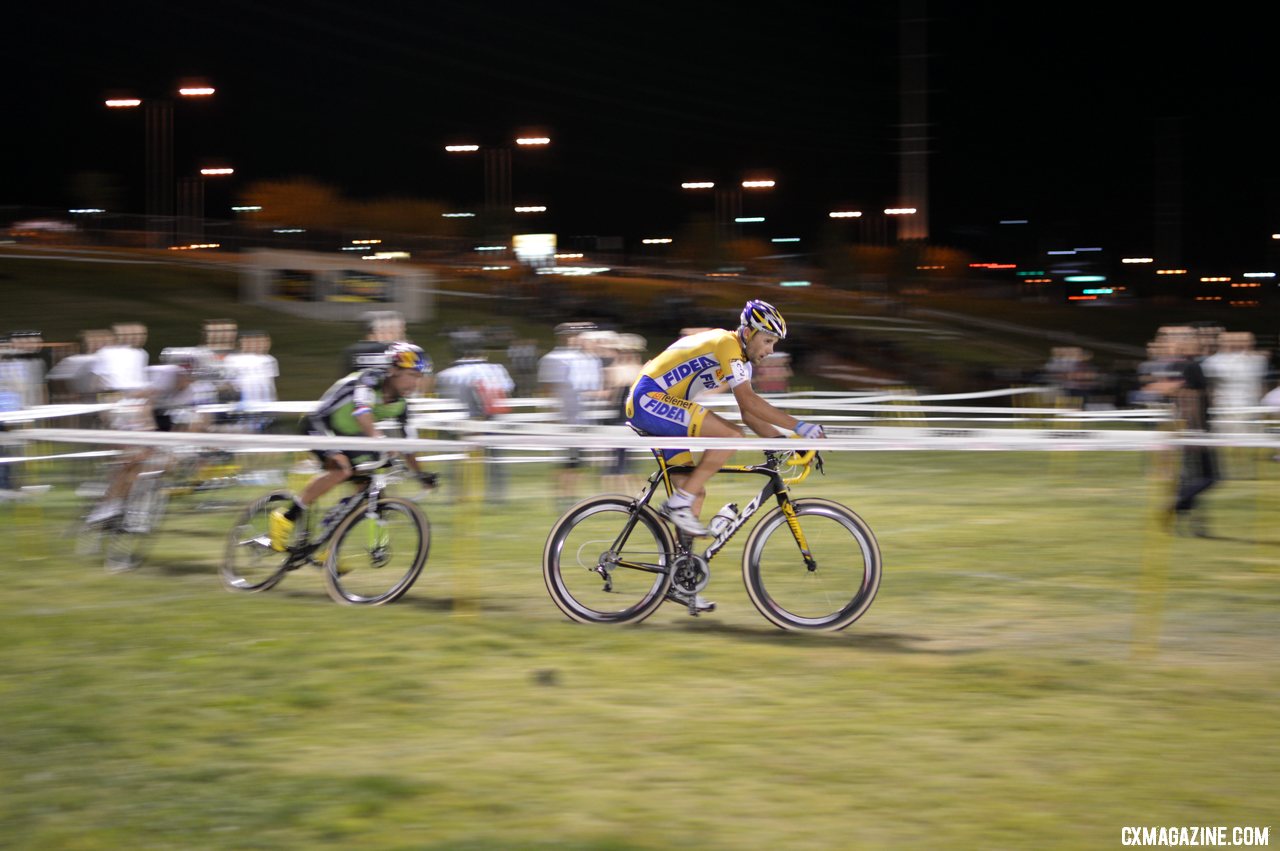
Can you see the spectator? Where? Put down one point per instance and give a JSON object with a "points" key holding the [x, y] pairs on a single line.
{"points": [[1081, 377], [253, 372], [1156, 367], [1188, 389], [483, 388], [217, 341], [25, 366], [72, 379], [382, 328], [573, 378], [219, 336], [522, 356], [121, 365], [624, 356], [12, 380], [1237, 373]]}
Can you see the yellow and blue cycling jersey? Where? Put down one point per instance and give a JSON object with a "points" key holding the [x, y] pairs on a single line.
{"points": [[661, 402]]}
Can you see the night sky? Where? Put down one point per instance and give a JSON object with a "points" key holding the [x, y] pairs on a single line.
{"points": [[1073, 116]]}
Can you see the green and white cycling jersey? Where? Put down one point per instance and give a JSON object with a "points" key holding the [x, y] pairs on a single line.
{"points": [[356, 394]]}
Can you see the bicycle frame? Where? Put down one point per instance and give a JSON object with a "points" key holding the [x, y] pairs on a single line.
{"points": [[778, 486], [372, 481]]}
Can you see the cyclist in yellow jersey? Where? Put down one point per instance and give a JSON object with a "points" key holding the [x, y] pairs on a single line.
{"points": [[662, 401]]}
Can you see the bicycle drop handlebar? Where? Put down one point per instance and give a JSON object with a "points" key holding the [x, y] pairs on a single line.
{"points": [[805, 460]]}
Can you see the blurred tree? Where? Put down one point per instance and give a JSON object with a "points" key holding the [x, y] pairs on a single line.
{"points": [[748, 252], [696, 244], [304, 202], [400, 215], [298, 201]]}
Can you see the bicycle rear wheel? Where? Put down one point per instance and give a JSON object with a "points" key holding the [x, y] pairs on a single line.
{"points": [[608, 562], [375, 560], [249, 563], [828, 594], [126, 540]]}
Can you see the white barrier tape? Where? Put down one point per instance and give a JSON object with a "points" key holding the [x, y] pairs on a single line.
{"points": [[852, 403], [27, 459], [223, 440], [850, 438]]}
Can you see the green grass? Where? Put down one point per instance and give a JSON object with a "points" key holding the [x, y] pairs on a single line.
{"points": [[1042, 667]]}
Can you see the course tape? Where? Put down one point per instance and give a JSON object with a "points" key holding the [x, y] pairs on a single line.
{"points": [[847, 438], [533, 427]]}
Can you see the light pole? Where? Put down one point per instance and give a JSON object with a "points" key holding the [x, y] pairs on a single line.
{"points": [[498, 203], [158, 152], [191, 192], [728, 213], [879, 225]]}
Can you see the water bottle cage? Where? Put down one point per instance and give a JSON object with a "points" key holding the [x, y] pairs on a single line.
{"points": [[723, 519]]}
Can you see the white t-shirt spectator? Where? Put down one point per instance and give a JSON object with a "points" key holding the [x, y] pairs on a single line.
{"points": [[121, 369], [1237, 378], [254, 376]]}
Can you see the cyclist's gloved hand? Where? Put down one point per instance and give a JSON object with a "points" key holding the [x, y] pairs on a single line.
{"points": [[810, 430], [428, 480]]}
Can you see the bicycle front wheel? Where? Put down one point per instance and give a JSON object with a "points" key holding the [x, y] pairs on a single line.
{"points": [[249, 563], [607, 561], [375, 559], [827, 592]]}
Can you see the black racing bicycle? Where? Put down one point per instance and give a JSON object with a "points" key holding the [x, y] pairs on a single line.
{"points": [[371, 546], [808, 564]]}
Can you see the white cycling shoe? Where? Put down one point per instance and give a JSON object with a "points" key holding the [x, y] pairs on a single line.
{"points": [[684, 519]]}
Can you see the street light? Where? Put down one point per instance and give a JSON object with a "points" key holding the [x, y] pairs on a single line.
{"points": [[728, 202], [497, 171], [158, 148], [877, 225]]}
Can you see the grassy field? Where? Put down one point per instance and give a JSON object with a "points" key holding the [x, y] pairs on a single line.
{"points": [[1042, 667]]}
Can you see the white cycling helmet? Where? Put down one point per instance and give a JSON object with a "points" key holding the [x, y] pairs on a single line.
{"points": [[761, 316]]}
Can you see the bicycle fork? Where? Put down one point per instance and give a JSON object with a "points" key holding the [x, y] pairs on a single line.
{"points": [[793, 523]]}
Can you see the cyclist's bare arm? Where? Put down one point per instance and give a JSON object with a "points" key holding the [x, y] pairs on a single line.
{"points": [[760, 416]]}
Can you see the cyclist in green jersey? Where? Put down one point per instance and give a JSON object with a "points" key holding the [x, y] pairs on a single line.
{"points": [[353, 407]]}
